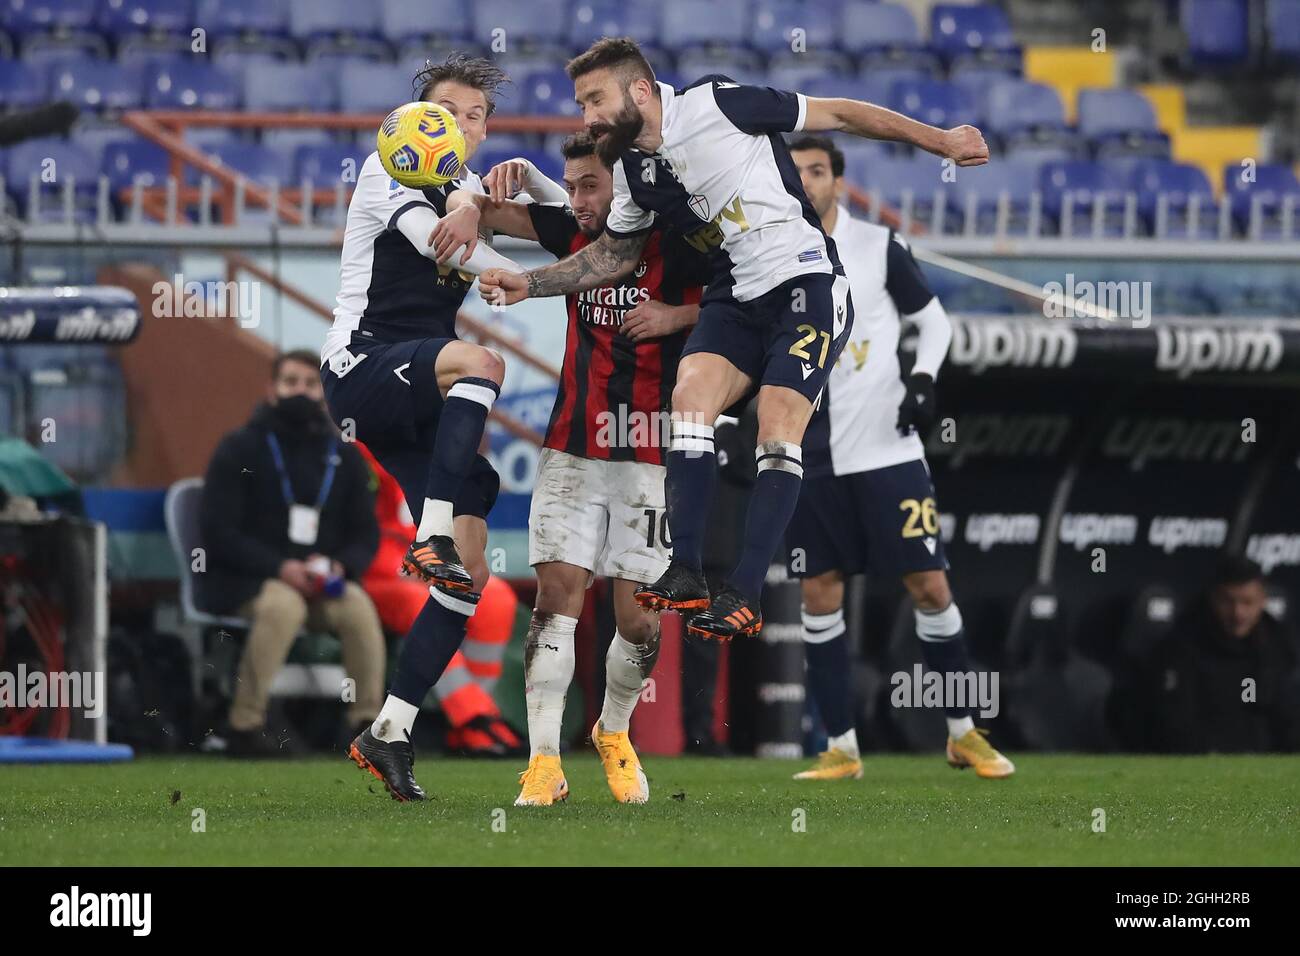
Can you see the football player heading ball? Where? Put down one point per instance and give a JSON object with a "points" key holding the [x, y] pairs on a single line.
{"points": [[708, 162]]}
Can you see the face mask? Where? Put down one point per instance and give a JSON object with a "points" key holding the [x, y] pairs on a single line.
{"points": [[299, 409]]}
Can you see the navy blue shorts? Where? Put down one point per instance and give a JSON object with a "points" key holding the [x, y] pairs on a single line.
{"points": [[392, 400], [884, 520], [789, 336]]}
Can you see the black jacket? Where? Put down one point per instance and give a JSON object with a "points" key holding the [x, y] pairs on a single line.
{"points": [[1193, 684], [244, 520]]}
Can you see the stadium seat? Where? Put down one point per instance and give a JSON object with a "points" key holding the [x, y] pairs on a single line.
{"points": [[26, 17], [373, 88], [877, 86], [123, 162], [267, 18], [1069, 69], [146, 52], [919, 176], [524, 22], [688, 23], [22, 84], [1056, 697], [593, 19], [68, 162], [1259, 195], [286, 87], [259, 163], [121, 18], [1282, 29], [774, 23], [1114, 110], [550, 93], [1178, 183], [183, 85], [401, 21], [1078, 186], [978, 191], [874, 27], [1015, 106], [98, 85], [1217, 32], [312, 19], [44, 47], [324, 164], [236, 57], [936, 102], [978, 30], [742, 65]]}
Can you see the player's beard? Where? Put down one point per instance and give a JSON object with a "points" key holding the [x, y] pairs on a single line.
{"points": [[612, 139]]}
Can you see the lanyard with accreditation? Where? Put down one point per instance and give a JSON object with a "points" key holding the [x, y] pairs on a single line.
{"points": [[304, 520]]}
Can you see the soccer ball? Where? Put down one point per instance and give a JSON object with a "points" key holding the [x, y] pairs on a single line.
{"points": [[420, 145]]}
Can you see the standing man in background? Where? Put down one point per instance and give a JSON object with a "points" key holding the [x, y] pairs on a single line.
{"points": [[867, 498]]}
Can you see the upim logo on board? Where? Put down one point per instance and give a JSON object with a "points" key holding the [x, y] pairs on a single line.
{"points": [[73, 909]]}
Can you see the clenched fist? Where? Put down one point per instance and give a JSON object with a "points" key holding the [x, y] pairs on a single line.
{"points": [[499, 287], [965, 146]]}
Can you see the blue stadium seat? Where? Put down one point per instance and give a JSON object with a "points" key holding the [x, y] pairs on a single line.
{"points": [[44, 47], [235, 56], [1217, 32], [124, 161], [286, 87], [98, 85], [936, 102], [1282, 28], [1017, 105], [550, 93], [1178, 182], [869, 27], [373, 88], [1017, 179], [688, 23], [268, 18], [401, 21], [1272, 182], [956, 29], [121, 18], [1088, 183], [1114, 110], [847, 86], [323, 164], [254, 161], [25, 17], [774, 23], [145, 55], [593, 19], [71, 161], [794, 76], [742, 65], [524, 21], [921, 175], [22, 84], [313, 19], [182, 85]]}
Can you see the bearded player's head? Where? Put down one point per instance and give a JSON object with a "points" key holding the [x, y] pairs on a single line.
{"points": [[614, 85], [821, 170], [466, 87], [589, 183]]}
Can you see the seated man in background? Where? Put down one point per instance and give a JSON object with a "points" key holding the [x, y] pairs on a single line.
{"points": [[288, 524], [1224, 680], [464, 690]]}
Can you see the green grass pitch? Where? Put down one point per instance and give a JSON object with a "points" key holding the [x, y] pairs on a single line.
{"points": [[908, 810]]}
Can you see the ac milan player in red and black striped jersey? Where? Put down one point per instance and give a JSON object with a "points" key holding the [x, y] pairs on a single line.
{"points": [[598, 504]]}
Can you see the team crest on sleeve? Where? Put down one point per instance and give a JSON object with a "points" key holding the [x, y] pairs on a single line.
{"points": [[700, 206]]}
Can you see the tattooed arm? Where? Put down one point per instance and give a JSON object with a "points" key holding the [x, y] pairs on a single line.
{"points": [[606, 260]]}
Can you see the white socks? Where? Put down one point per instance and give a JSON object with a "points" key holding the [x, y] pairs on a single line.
{"points": [[623, 682], [548, 669], [395, 720], [957, 726], [846, 742], [435, 518]]}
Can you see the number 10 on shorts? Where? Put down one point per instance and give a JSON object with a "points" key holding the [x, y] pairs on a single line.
{"points": [[657, 518]]}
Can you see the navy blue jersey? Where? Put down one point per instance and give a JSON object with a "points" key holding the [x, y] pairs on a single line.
{"points": [[388, 291]]}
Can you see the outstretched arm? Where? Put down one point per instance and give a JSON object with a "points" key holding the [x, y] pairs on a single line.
{"points": [[964, 145], [606, 260]]}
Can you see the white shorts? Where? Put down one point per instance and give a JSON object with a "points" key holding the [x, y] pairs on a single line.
{"points": [[605, 516]]}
